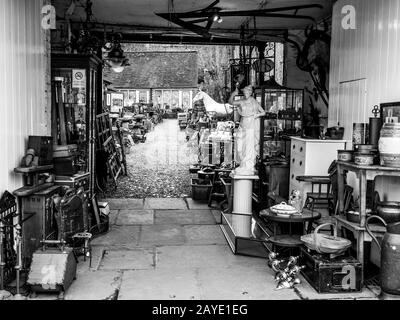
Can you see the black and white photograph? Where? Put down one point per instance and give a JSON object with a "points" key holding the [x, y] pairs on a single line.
{"points": [[199, 155]]}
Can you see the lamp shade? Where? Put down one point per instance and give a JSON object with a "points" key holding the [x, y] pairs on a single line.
{"points": [[118, 69]]}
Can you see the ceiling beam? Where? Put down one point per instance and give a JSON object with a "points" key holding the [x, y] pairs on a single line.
{"points": [[209, 11], [149, 29], [154, 38]]}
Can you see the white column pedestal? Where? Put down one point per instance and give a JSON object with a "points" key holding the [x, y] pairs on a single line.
{"points": [[242, 204]]}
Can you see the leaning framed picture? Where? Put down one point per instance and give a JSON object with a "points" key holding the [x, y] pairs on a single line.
{"points": [[390, 112]]}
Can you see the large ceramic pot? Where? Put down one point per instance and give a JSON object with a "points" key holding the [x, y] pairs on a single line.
{"points": [[389, 145], [389, 211]]}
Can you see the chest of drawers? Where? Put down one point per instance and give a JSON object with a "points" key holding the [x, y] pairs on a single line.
{"points": [[311, 158]]}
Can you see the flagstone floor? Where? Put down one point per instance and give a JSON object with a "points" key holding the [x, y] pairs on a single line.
{"points": [[166, 249]]}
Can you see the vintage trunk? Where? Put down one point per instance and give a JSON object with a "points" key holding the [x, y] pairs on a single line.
{"points": [[65, 151], [65, 166], [75, 182], [52, 270], [336, 275]]}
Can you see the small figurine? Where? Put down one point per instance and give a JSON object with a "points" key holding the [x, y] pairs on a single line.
{"points": [[295, 200]]}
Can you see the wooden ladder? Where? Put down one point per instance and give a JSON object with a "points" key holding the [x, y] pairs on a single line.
{"points": [[106, 142]]}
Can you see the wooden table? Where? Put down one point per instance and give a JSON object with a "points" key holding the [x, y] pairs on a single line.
{"points": [[289, 240], [364, 173]]}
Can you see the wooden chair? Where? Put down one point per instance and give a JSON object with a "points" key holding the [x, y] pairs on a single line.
{"points": [[321, 192], [324, 192], [217, 191]]}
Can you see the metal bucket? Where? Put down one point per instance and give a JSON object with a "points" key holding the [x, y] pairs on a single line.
{"points": [[389, 145]]}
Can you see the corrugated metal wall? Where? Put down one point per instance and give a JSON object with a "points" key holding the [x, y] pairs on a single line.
{"points": [[24, 78], [367, 57]]}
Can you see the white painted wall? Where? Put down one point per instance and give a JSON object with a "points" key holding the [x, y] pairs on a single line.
{"points": [[24, 78], [365, 68]]}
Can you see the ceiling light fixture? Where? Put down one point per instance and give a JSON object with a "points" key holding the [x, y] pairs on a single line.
{"points": [[121, 68], [115, 58], [118, 69]]}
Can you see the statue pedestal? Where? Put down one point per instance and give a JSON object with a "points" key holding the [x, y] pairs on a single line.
{"points": [[244, 231], [242, 204]]}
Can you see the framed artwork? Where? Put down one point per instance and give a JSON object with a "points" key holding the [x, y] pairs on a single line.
{"points": [[390, 112], [240, 75]]}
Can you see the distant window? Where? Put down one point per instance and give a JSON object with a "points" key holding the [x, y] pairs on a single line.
{"points": [[143, 96]]}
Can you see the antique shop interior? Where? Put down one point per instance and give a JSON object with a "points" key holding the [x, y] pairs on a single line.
{"points": [[206, 150]]}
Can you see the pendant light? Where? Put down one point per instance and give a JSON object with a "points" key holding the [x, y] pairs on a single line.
{"points": [[115, 57]]}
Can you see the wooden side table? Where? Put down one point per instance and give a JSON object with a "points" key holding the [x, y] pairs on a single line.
{"points": [[289, 240], [364, 173]]}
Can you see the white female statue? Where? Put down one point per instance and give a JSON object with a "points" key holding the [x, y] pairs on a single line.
{"points": [[248, 135]]}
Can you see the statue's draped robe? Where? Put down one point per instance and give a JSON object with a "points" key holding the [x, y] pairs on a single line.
{"points": [[248, 137]]}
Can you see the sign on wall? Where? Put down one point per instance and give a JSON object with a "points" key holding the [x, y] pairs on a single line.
{"points": [[79, 78]]}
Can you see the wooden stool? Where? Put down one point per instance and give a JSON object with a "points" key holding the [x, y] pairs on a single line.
{"points": [[86, 248]]}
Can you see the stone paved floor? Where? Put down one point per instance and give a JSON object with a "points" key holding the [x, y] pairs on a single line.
{"points": [[160, 249], [159, 167]]}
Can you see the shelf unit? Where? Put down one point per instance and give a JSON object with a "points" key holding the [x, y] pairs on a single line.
{"points": [[81, 91], [364, 174], [283, 119]]}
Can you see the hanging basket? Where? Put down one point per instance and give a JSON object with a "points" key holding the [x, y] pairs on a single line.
{"points": [[323, 243]]}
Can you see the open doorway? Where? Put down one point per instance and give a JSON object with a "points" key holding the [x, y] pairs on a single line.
{"points": [[165, 79]]}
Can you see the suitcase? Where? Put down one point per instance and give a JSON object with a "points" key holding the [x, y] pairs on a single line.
{"points": [[331, 275], [52, 270], [43, 147], [65, 166], [75, 181], [65, 151]]}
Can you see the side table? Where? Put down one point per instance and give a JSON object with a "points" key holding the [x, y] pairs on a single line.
{"points": [[289, 240]]}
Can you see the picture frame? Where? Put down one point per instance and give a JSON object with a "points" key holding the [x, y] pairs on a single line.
{"points": [[390, 112], [237, 69]]}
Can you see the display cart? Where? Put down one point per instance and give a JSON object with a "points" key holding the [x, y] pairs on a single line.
{"points": [[364, 174], [283, 119]]}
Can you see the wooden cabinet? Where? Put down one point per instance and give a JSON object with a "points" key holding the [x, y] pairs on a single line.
{"points": [[284, 115], [40, 223], [311, 158]]}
